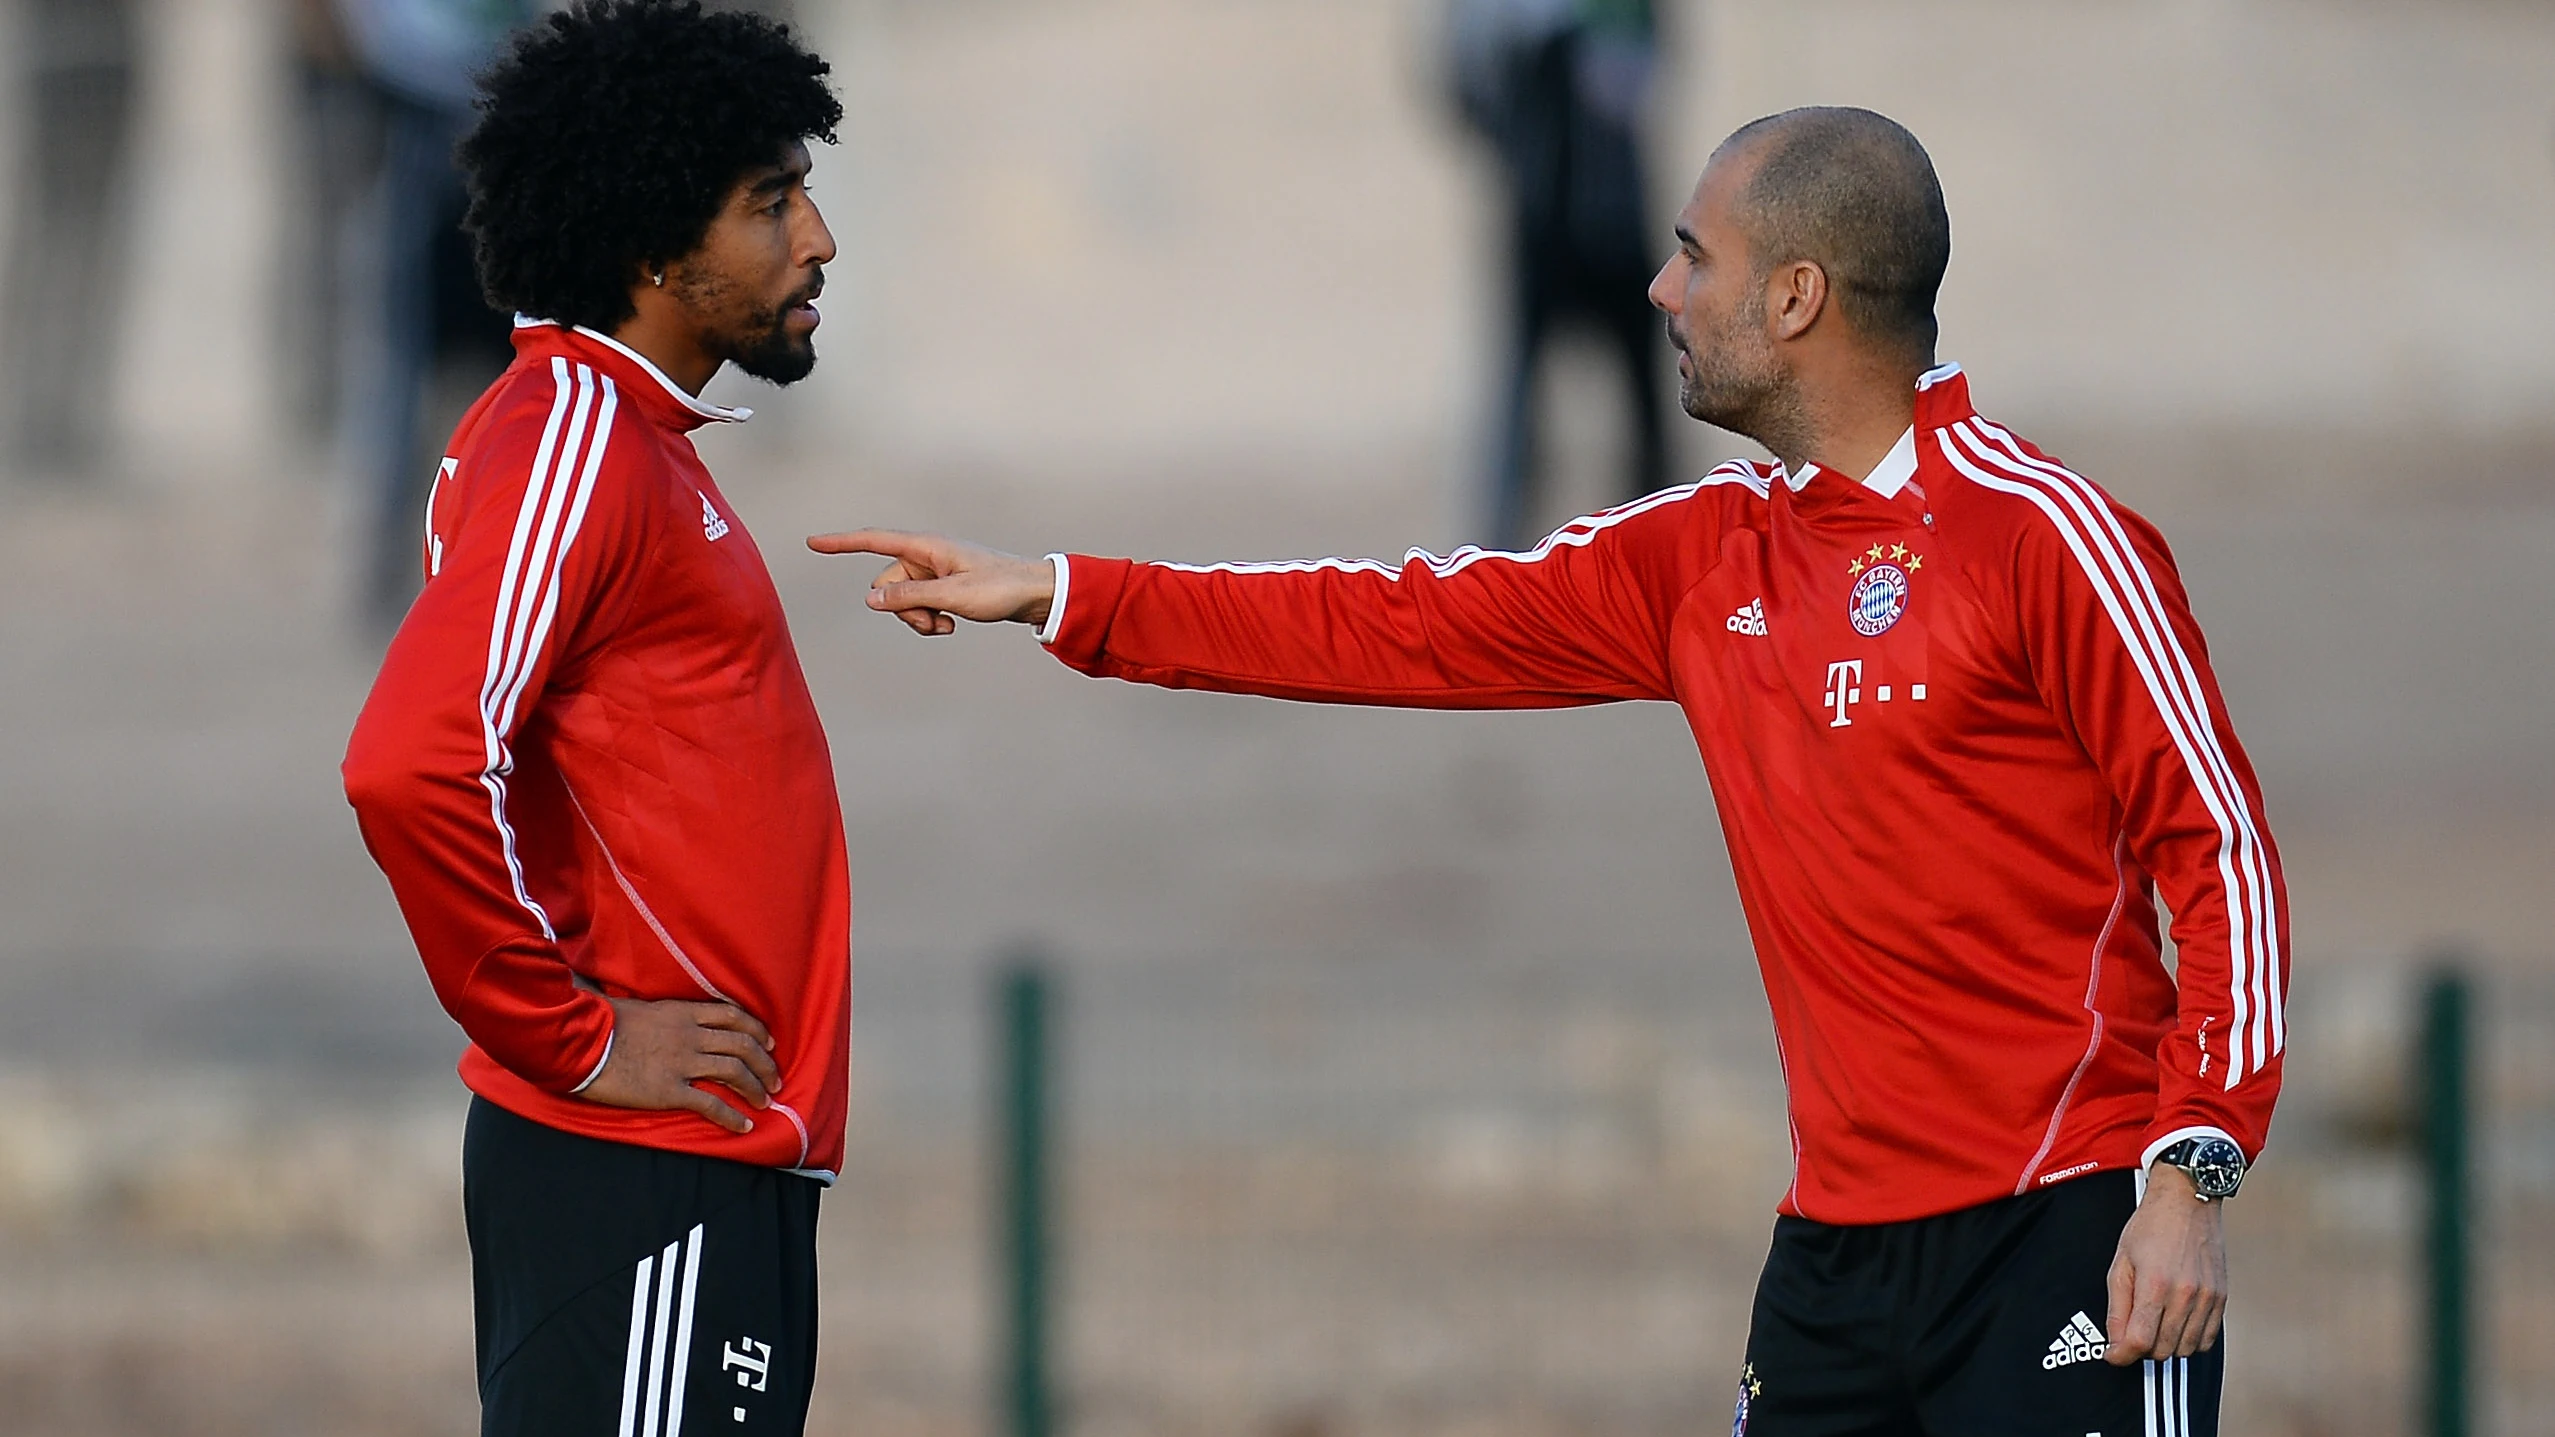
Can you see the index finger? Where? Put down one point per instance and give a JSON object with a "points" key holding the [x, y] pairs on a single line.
{"points": [[2141, 1336], [2122, 1283], [894, 543], [735, 1019]]}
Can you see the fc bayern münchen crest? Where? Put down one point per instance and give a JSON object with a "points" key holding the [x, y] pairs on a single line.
{"points": [[1879, 598], [1749, 1387]]}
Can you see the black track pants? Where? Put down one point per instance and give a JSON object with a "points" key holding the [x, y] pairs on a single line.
{"points": [[627, 1292], [1985, 1322]]}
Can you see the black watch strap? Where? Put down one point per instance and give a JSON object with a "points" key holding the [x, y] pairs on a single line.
{"points": [[2215, 1165]]}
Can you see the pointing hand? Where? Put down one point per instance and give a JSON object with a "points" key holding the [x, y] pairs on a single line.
{"points": [[937, 581]]}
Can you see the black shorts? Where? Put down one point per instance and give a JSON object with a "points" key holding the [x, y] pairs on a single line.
{"points": [[1985, 1322], [627, 1292]]}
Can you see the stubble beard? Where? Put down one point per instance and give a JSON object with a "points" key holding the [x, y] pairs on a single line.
{"points": [[1733, 381], [758, 343], [775, 356]]}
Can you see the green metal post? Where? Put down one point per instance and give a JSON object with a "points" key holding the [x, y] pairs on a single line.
{"points": [[2445, 1119], [1024, 1092]]}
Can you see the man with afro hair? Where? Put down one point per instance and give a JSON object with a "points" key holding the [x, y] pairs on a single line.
{"points": [[591, 768]]}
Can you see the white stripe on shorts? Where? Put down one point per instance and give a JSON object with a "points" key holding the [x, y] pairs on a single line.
{"points": [[638, 1328], [653, 1367]]}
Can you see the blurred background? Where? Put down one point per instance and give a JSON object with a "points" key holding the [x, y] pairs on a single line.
{"points": [[1408, 1073]]}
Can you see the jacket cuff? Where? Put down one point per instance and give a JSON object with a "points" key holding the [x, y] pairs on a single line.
{"points": [[1077, 632], [2158, 1144], [563, 1055], [1055, 624], [599, 1065]]}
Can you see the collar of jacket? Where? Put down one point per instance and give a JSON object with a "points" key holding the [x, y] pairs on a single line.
{"points": [[1942, 400], [663, 399]]}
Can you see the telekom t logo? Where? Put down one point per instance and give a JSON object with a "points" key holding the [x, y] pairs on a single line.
{"points": [[1845, 689], [752, 1365]]}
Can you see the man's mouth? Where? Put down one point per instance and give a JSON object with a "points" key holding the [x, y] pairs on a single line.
{"points": [[803, 306]]}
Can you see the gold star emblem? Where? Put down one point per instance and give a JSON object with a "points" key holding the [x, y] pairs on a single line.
{"points": [[1876, 553], [1898, 552], [1854, 568], [1915, 562]]}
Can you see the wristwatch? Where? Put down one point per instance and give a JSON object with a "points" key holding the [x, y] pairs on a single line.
{"points": [[2214, 1165]]}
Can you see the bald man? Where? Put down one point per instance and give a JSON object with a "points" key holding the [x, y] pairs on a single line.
{"points": [[1963, 736]]}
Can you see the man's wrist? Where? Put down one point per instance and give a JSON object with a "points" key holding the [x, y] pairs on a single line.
{"points": [[2163, 1177]]}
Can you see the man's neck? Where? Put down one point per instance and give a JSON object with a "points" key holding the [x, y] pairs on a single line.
{"points": [[1850, 428], [659, 333]]}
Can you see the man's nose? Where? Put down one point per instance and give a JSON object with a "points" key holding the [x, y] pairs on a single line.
{"points": [[816, 246], [1663, 293]]}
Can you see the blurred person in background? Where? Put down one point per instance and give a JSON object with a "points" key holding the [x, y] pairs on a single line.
{"points": [[1963, 736], [1559, 89], [591, 767], [67, 258], [401, 73]]}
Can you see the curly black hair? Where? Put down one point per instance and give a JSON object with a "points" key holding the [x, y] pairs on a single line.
{"points": [[609, 136]]}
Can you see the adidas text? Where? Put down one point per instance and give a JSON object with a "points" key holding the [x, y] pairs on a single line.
{"points": [[711, 524], [2078, 1341], [1749, 621]]}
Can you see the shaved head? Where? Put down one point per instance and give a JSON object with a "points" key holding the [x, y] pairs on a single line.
{"points": [[1854, 193]]}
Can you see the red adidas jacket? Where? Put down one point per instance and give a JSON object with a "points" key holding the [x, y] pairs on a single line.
{"points": [[591, 764], [1962, 734]]}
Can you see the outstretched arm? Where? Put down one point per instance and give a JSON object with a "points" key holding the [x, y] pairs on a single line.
{"points": [[1581, 618]]}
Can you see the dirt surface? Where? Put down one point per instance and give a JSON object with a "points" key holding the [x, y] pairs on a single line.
{"points": [[1508, 943]]}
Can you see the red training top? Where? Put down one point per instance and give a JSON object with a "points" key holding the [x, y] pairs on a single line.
{"points": [[591, 764], [1962, 733]]}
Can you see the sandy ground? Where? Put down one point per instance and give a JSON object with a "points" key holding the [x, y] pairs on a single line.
{"points": [[1419, 1071]]}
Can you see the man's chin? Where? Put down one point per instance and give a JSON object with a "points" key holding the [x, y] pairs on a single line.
{"points": [[1721, 404], [782, 360], [1698, 404]]}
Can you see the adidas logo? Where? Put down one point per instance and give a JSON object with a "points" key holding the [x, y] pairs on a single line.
{"points": [[1749, 620], [2078, 1341], [711, 524]]}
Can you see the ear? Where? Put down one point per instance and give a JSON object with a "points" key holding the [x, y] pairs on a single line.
{"points": [[1796, 295]]}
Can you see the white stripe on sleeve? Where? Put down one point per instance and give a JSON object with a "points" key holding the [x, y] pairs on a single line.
{"points": [[2269, 1029], [2154, 648], [1578, 533], [499, 762], [547, 524]]}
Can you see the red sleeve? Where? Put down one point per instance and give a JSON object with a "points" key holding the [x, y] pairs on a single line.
{"points": [[527, 539], [1581, 618], [2119, 658]]}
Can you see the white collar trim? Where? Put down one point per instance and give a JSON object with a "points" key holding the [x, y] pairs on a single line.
{"points": [[717, 413], [1896, 467], [1886, 479]]}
